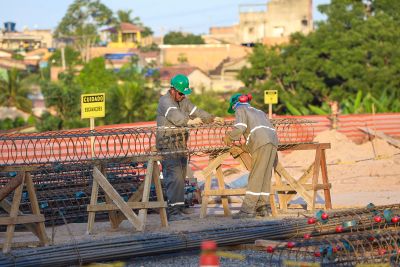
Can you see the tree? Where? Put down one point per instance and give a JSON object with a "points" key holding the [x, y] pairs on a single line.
{"points": [[14, 91], [64, 98], [125, 16], [354, 49], [95, 78], [176, 38], [131, 100], [72, 57], [81, 23]]}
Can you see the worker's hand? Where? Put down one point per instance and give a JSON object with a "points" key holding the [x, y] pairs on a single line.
{"points": [[236, 151], [219, 120], [195, 122], [227, 140]]}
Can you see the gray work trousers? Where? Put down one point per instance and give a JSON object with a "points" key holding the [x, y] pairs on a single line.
{"points": [[174, 173], [259, 184]]}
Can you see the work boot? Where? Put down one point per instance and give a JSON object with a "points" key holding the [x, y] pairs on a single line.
{"points": [[177, 217], [174, 214], [243, 215], [185, 210], [264, 211]]}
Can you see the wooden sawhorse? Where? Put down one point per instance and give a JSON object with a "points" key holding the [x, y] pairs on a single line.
{"points": [[33, 222], [288, 188], [285, 189], [115, 203], [215, 165]]}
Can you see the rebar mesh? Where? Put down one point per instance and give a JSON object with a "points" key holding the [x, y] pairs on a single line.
{"points": [[83, 145]]}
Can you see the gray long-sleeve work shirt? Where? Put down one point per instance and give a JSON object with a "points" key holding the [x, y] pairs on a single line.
{"points": [[172, 114], [255, 126]]}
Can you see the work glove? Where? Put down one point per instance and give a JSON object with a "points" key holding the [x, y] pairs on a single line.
{"points": [[195, 122], [219, 120], [227, 140]]}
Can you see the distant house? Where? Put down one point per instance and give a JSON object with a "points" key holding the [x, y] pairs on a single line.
{"points": [[224, 76], [5, 53], [127, 35], [26, 40], [199, 81]]}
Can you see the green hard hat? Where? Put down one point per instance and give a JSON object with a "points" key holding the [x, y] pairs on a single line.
{"points": [[181, 83], [234, 99]]}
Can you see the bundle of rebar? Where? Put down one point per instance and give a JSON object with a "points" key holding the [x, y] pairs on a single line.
{"points": [[379, 243]]}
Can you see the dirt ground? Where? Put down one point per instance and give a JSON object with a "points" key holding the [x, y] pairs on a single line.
{"points": [[359, 174]]}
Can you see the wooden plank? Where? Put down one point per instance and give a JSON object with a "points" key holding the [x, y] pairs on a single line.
{"points": [[135, 197], [213, 165], [273, 205], [225, 192], [221, 186], [146, 191], [317, 164], [308, 187], [382, 135], [93, 201], [6, 205], [310, 146], [132, 205], [160, 196], [302, 180], [116, 198], [21, 219], [204, 198], [40, 228], [281, 198], [294, 184], [11, 185], [13, 214], [324, 173]]}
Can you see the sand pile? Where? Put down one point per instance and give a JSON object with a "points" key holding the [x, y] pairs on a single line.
{"points": [[359, 174], [343, 150]]}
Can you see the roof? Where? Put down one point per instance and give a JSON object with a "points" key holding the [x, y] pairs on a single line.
{"points": [[166, 73], [125, 28], [12, 64]]}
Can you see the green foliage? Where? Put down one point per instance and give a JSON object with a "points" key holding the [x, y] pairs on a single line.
{"points": [[355, 49], [8, 123], [149, 48], [72, 57], [17, 56], [176, 38], [82, 22], [211, 102], [14, 90], [64, 98], [49, 122], [95, 78]]}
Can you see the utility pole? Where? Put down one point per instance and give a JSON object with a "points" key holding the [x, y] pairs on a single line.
{"points": [[62, 46]]}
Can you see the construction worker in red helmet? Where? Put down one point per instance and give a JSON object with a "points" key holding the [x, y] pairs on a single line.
{"points": [[175, 111], [261, 143]]}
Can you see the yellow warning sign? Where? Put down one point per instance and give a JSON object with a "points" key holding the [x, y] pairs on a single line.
{"points": [[271, 96], [93, 105]]}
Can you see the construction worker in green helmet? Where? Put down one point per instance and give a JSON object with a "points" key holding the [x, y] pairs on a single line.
{"points": [[261, 143], [175, 112]]}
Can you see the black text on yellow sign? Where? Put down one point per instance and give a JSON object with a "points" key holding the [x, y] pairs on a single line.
{"points": [[271, 96], [93, 105]]}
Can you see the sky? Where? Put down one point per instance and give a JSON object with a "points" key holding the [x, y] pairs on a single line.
{"points": [[161, 16]]}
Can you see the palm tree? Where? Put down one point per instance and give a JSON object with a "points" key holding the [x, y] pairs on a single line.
{"points": [[14, 91]]}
